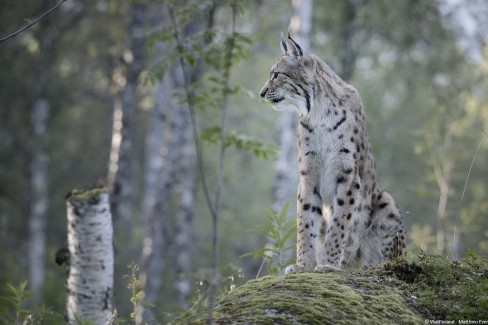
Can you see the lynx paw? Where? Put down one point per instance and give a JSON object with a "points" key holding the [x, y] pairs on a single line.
{"points": [[326, 268], [295, 269]]}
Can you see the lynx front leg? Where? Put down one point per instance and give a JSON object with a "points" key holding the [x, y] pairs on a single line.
{"points": [[309, 220], [344, 205]]}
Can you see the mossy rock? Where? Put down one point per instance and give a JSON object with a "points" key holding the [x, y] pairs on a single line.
{"points": [[394, 293], [86, 194]]}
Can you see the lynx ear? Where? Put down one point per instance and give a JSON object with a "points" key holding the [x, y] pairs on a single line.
{"points": [[284, 48], [292, 47]]}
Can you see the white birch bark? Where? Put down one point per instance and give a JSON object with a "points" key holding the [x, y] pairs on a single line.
{"points": [[120, 174], [90, 242], [286, 180], [39, 198]]}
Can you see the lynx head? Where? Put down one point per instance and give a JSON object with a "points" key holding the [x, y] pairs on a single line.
{"points": [[291, 78]]}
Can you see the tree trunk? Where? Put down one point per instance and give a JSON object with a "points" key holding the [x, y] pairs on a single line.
{"points": [[39, 198], [184, 216], [285, 179], [442, 171], [301, 22], [91, 265], [126, 77], [285, 182], [158, 178], [348, 54]]}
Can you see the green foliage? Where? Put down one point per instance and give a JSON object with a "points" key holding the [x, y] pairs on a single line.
{"points": [[444, 289], [137, 293], [239, 141], [280, 231], [229, 276], [80, 321], [13, 308]]}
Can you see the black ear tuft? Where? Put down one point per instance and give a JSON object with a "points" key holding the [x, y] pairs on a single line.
{"points": [[283, 46], [290, 47]]}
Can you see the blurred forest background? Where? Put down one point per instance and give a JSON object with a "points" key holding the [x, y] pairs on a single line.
{"points": [[94, 93]]}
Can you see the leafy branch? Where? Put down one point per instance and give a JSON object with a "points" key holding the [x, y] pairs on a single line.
{"points": [[3, 39], [280, 230], [239, 141], [220, 57]]}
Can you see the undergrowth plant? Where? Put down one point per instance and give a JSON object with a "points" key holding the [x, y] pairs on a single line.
{"points": [[13, 308], [137, 294], [280, 231], [229, 275]]}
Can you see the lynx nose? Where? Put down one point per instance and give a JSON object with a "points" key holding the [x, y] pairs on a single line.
{"points": [[263, 91]]}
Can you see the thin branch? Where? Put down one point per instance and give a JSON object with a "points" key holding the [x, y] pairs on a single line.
{"points": [[33, 23], [464, 190], [220, 171], [189, 99]]}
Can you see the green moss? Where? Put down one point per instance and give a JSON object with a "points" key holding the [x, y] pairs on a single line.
{"points": [[312, 298], [444, 289], [86, 194], [399, 292]]}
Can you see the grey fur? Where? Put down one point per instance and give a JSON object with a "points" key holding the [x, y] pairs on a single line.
{"points": [[343, 215]]}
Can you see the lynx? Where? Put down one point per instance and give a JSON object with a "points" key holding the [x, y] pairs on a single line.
{"points": [[344, 217]]}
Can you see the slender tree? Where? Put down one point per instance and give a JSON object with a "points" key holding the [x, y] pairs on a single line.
{"points": [[39, 116], [285, 179], [39, 197], [184, 191], [159, 178], [285, 174], [126, 77]]}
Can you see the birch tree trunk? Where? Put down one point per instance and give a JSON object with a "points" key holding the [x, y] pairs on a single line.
{"points": [[169, 174], [39, 116], [158, 177], [90, 242], [285, 179], [39, 198], [442, 170], [185, 192], [126, 76]]}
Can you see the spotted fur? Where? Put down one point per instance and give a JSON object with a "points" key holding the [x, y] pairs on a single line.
{"points": [[344, 216]]}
